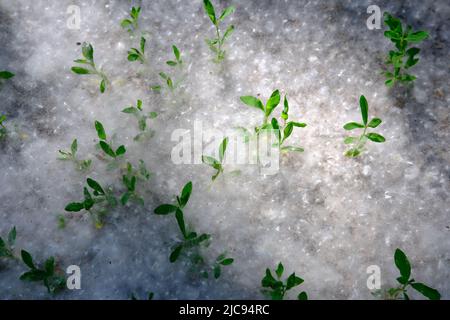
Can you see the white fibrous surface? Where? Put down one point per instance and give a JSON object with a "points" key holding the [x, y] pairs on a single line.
{"points": [[325, 216]]}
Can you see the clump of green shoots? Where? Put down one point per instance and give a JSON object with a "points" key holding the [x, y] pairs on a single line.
{"points": [[5, 75], [88, 54], [276, 288], [7, 247], [176, 63], [359, 142], [213, 162], [107, 146], [283, 130], [135, 54], [401, 38], [191, 240], [3, 130], [131, 24], [130, 178], [142, 118], [403, 265], [216, 44], [53, 279], [71, 155], [97, 204]]}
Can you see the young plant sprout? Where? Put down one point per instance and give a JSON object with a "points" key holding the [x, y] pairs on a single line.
{"points": [[276, 289], [136, 54], [5, 75], [71, 155], [105, 146], [97, 204], [142, 118], [88, 53], [53, 279], [131, 24], [359, 142], [214, 163], [191, 241], [7, 247], [402, 39], [284, 130], [3, 130], [129, 181], [176, 63], [403, 265], [216, 44]]}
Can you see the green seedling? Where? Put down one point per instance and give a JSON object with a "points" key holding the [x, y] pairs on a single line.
{"points": [[359, 142], [142, 118], [138, 54], [7, 247], [150, 296], [96, 204], [131, 24], [5, 75], [216, 44], [53, 279], [404, 57], [283, 130], [61, 221], [88, 60], [401, 292], [3, 130], [105, 145], [141, 172], [213, 162], [71, 155], [276, 289], [221, 261], [176, 63], [129, 181]]}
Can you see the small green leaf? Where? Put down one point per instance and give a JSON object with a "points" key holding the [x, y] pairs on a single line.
{"points": [[217, 271], [352, 153], [95, 186], [125, 23], [227, 262], [6, 75], [79, 70], [210, 11], [375, 122], [280, 269], [228, 32], [88, 51], [273, 102], [293, 281], [252, 102], [27, 259], [417, 36], [175, 253], [210, 161], [100, 130], [107, 149], [350, 140], [74, 207], [302, 296], [176, 53], [227, 12], [268, 281], [292, 148], [375, 137], [132, 56], [165, 209], [125, 197], [74, 147], [402, 263], [353, 125], [364, 108], [142, 45], [171, 63], [185, 194], [12, 236], [428, 292], [49, 266], [222, 149], [130, 110], [102, 86], [120, 151], [180, 220]]}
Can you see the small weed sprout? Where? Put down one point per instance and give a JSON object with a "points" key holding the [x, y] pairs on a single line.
{"points": [[284, 130], [3, 130], [216, 44], [359, 142], [7, 247], [403, 265], [191, 241], [276, 288], [176, 63], [97, 204], [138, 54], [53, 279], [88, 54], [131, 24], [130, 179], [214, 163], [71, 155], [105, 145], [142, 118], [401, 38], [5, 75]]}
